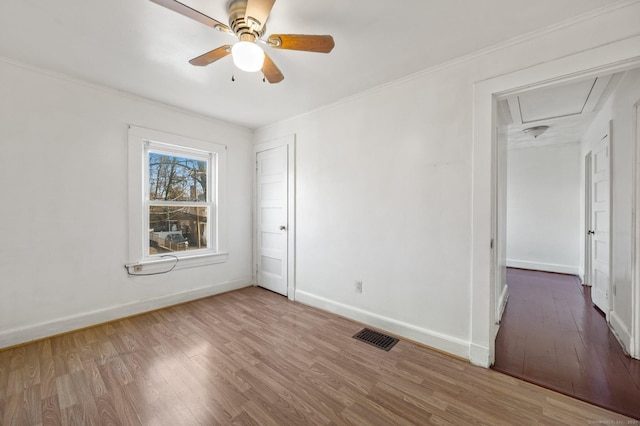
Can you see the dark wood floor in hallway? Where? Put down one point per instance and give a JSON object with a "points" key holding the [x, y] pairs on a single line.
{"points": [[551, 335]]}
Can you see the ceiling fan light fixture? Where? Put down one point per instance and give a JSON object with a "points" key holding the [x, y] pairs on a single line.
{"points": [[247, 20], [247, 56], [536, 131]]}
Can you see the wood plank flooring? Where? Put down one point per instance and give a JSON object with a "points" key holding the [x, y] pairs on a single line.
{"points": [[251, 357], [551, 335]]}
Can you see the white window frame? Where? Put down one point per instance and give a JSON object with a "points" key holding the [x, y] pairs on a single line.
{"points": [[140, 142]]}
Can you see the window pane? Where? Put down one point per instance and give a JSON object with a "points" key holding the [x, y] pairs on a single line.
{"points": [[175, 229], [173, 178]]}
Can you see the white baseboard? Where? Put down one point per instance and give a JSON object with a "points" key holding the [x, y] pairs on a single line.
{"points": [[29, 333], [621, 331], [479, 355], [546, 267], [430, 338]]}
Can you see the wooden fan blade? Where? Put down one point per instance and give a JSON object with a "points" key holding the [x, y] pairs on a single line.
{"points": [[185, 10], [211, 56], [271, 71], [259, 11], [308, 43]]}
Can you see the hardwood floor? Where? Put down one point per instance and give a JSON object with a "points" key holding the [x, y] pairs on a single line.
{"points": [[551, 335], [251, 357]]}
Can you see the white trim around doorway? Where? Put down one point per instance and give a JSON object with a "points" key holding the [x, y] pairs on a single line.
{"points": [[606, 59], [634, 346]]}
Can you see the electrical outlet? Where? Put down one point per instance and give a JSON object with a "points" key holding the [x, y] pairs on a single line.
{"points": [[137, 268], [358, 286]]}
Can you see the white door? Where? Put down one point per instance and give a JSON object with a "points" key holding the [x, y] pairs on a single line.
{"points": [[587, 219], [600, 224], [271, 223]]}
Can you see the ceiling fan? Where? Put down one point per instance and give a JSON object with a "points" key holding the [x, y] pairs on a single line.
{"points": [[247, 20]]}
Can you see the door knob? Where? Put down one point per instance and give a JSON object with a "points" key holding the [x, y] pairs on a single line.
{"points": [[282, 227], [590, 232]]}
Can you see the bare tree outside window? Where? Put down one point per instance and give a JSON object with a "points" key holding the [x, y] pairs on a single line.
{"points": [[177, 178]]}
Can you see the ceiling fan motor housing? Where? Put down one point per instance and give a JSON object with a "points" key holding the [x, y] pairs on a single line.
{"points": [[245, 29]]}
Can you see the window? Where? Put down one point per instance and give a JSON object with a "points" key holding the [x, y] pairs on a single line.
{"points": [[176, 200], [177, 204]]}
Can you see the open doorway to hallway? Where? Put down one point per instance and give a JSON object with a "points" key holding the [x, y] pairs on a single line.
{"points": [[554, 215]]}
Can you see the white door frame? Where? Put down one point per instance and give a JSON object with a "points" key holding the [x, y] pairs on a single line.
{"points": [[606, 59], [634, 349], [290, 142]]}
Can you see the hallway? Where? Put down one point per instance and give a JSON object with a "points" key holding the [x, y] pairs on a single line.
{"points": [[551, 335]]}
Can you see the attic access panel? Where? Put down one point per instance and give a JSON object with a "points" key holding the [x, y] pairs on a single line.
{"points": [[556, 101]]}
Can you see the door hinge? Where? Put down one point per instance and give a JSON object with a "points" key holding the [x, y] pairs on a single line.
{"points": [[256, 165], [491, 245]]}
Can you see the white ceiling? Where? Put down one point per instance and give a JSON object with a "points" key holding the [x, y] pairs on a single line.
{"points": [[142, 48]]}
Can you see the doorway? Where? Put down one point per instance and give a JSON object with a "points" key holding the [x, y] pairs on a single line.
{"points": [[548, 130], [571, 120], [606, 59], [274, 216], [549, 349]]}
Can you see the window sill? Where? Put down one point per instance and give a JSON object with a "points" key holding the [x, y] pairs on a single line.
{"points": [[167, 264]]}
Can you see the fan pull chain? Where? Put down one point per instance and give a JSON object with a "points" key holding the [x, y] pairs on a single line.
{"points": [[264, 79], [233, 77]]}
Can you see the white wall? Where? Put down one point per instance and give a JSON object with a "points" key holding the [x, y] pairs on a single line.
{"points": [[543, 208], [384, 192], [619, 110], [64, 216]]}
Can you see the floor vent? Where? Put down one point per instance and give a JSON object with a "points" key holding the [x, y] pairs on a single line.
{"points": [[376, 339]]}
